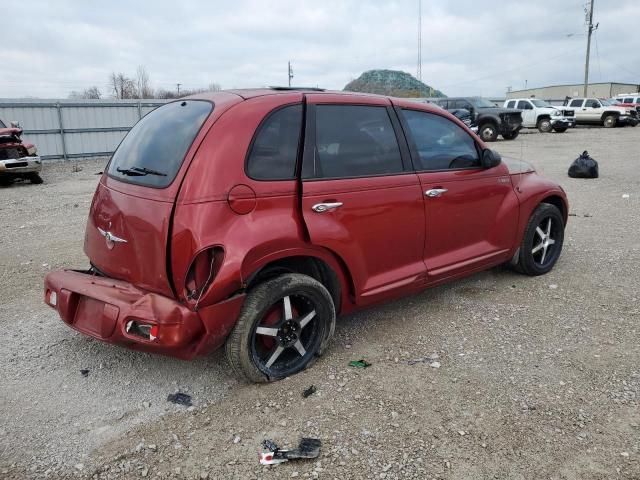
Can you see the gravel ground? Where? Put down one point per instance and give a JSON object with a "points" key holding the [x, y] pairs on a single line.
{"points": [[516, 377]]}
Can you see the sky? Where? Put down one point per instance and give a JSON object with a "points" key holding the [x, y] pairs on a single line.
{"points": [[468, 47]]}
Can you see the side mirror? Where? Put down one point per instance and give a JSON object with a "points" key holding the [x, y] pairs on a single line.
{"points": [[15, 124], [490, 158]]}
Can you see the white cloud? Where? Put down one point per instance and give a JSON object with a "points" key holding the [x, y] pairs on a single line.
{"points": [[469, 47]]}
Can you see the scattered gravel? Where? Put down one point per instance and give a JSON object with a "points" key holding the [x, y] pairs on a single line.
{"points": [[537, 378]]}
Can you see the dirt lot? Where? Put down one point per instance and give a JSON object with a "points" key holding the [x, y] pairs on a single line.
{"points": [[538, 377]]}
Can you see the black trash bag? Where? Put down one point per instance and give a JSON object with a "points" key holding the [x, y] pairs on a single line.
{"points": [[584, 167]]}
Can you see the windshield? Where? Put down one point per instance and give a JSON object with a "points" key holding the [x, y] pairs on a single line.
{"points": [[482, 103], [610, 102], [153, 151], [541, 103]]}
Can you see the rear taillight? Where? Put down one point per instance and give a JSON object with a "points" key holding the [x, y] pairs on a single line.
{"points": [[202, 272], [142, 329]]}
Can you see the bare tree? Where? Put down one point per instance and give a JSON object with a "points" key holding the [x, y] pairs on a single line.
{"points": [[122, 86], [214, 87], [91, 93], [142, 83]]}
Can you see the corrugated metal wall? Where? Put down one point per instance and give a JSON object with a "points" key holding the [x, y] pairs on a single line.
{"points": [[72, 129]]}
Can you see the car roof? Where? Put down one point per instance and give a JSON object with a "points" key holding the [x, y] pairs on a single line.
{"points": [[247, 93]]}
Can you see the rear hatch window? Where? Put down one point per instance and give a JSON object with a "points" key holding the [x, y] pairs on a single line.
{"points": [[153, 151]]}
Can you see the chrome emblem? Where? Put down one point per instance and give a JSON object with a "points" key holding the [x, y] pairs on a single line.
{"points": [[110, 238]]}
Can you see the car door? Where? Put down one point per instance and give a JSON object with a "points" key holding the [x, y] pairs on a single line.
{"points": [[579, 110], [360, 197], [593, 110], [471, 212], [528, 113]]}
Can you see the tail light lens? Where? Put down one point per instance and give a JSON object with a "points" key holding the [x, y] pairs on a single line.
{"points": [[202, 272]]}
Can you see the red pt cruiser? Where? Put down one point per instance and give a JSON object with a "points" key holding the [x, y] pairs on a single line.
{"points": [[255, 217]]}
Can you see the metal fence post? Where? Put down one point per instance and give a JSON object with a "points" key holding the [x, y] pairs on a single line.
{"points": [[139, 110], [64, 145]]}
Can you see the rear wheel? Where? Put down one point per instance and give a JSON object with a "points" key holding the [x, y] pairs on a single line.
{"points": [[544, 125], [510, 136], [542, 242], [560, 129], [609, 121], [284, 325], [488, 132]]}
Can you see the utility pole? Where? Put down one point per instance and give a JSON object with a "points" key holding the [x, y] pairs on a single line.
{"points": [[178, 88], [419, 75], [289, 72], [586, 63]]}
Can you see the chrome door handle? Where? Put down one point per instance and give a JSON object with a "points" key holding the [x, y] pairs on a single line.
{"points": [[325, 207], [435, 192]]}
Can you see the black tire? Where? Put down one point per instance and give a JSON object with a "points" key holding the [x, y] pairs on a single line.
{"points": [[35, 178], [488, 132], [560, 129], [544, 125], [511, 136], [609, 121], [6, 181], [249, 352], [533, 258]]}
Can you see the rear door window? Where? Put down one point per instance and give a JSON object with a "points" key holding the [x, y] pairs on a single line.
{"points": [[440, 143], [153, 151], [511, 104], [575, 103], [275, 147], [354, 141]]}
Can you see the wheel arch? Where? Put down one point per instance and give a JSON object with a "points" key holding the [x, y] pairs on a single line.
{"points": [[324, 266], [609, 113], [558, 202]]}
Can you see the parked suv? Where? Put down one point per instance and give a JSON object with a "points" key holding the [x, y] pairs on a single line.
{"points": [[628, 100], [254, 217], [602, 112], [490, 119], [542, 115], [18, 159]]}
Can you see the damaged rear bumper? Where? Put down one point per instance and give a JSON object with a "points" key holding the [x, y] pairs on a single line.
{"points": [[112, 310]]}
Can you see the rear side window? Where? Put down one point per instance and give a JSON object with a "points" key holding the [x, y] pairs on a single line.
{"points": [[153, 151], [354, 141], [275, 147], [511, 104], [441, 144], [575, 103]]}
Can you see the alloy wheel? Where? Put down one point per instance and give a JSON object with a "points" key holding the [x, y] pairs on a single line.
{"points": [[287, 335], [544, 249]]}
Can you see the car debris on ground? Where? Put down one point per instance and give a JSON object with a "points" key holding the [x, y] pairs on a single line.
{"points": [[180, 398], [307, 448], [359, 363]]}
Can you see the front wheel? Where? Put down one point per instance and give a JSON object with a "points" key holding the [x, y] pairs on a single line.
{"points": [[542, 242], [544, 125], [510, 136], [560, 129], [285, 323], [35, 178], [488, 132], [609, 121]]}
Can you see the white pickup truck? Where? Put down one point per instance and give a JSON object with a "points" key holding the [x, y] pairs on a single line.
{"points": [[602, 112], [542, 115]]}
